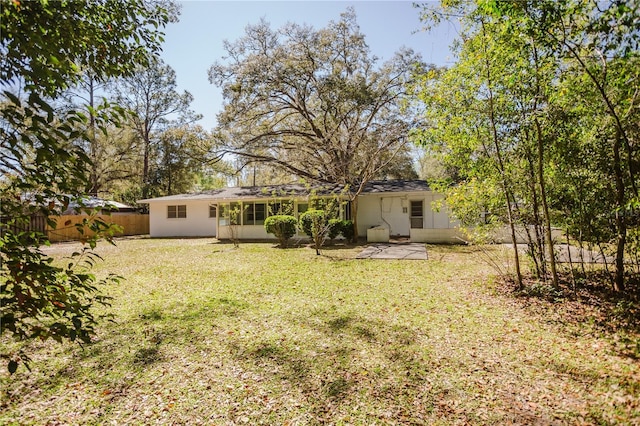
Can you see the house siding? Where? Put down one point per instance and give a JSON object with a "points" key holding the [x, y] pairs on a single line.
{"points": [[377, 208], [392, 211], [196, 224], [247, 232], [383, 210]]}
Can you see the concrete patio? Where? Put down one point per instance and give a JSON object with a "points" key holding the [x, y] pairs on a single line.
{"points": [[408, 251]]}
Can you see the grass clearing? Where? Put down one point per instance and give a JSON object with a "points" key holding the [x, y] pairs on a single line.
{"points": [[208, 334]]}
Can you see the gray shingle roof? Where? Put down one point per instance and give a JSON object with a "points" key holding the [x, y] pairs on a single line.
{"points": [[293, 190], [378, 186]]}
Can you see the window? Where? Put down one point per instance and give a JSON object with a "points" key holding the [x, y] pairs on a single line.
{"points": [[224, 215], [302, 207], [280, 207], [177, 212], [275, 209], [346, 211], [417, 215], [229, 214], [254, 214], [213, 211]]}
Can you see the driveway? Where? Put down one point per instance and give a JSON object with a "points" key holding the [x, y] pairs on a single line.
{"points": [[409, 251], [564, 253]]}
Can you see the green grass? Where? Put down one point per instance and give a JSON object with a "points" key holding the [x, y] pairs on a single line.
{"points": [[208, 334]]}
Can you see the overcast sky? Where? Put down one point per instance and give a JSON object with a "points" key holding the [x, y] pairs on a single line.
{"points": [[195, 43]]}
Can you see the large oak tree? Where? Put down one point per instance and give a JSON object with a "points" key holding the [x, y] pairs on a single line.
{"points": [[316, 103]]}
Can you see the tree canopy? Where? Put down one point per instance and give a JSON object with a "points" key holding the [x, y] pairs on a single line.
{"points": [[538, 117], [315, 102], [154, 103]]}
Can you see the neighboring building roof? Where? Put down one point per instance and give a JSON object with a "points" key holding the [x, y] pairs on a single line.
{"points": [[87, 201], [292, 190], [92, 202]]}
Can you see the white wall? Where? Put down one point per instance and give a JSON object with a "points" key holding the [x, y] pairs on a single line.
{"points": [[196, 224], [368, 214], [437, 219], [247, 232], [387, 210], [437, 236]]}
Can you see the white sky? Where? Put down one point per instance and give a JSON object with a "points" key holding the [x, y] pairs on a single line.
{"points": [[195, 43]]}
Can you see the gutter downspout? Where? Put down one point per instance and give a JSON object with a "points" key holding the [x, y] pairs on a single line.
{"points": [[382, 215]]}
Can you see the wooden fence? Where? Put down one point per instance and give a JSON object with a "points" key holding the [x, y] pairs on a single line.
{"points": [[36, 223], [132, 224]]}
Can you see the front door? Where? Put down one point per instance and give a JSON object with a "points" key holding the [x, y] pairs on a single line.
{"points": [[417, 214]]}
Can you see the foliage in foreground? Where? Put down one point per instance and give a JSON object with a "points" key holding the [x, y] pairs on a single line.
{"points": [[39, 300], [45, 48]]}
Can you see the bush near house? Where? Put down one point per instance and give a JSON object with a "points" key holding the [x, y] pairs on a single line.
{"points": [[344, 228], [335, 228], [315, 223], [282, 226], [347, 230]]}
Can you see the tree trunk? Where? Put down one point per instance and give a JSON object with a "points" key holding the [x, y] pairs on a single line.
{"points": [[93, 178], [514, 240], [545, 208], [621, 223], [538, 245], [502, 171], [354, 217]]}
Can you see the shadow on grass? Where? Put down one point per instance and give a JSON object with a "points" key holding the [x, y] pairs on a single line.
{"points": [[152, 327], [147, 356], [211, 309], [324, 383], [592, 302], [330, 370], [339, 252]]}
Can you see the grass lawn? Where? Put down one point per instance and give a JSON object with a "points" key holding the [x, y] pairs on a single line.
{"points": [[208, 334]]}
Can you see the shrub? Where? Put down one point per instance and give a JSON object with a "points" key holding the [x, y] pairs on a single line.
{"points": [[339, 227], [282, 226], [312, 218], [314, 223], [346, 229], [335, 228]]}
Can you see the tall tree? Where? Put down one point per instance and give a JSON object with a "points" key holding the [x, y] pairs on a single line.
{"points": [[108, 145], [43, 45], [563, 78], [601, 42], [315, 102], [466, 116], [181, 153], [154, 103]]}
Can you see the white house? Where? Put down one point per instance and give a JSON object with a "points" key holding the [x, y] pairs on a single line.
{"points": [[396, 208]]}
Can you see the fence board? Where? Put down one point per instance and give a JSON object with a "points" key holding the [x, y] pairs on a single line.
{"points": [[132, 224]]}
